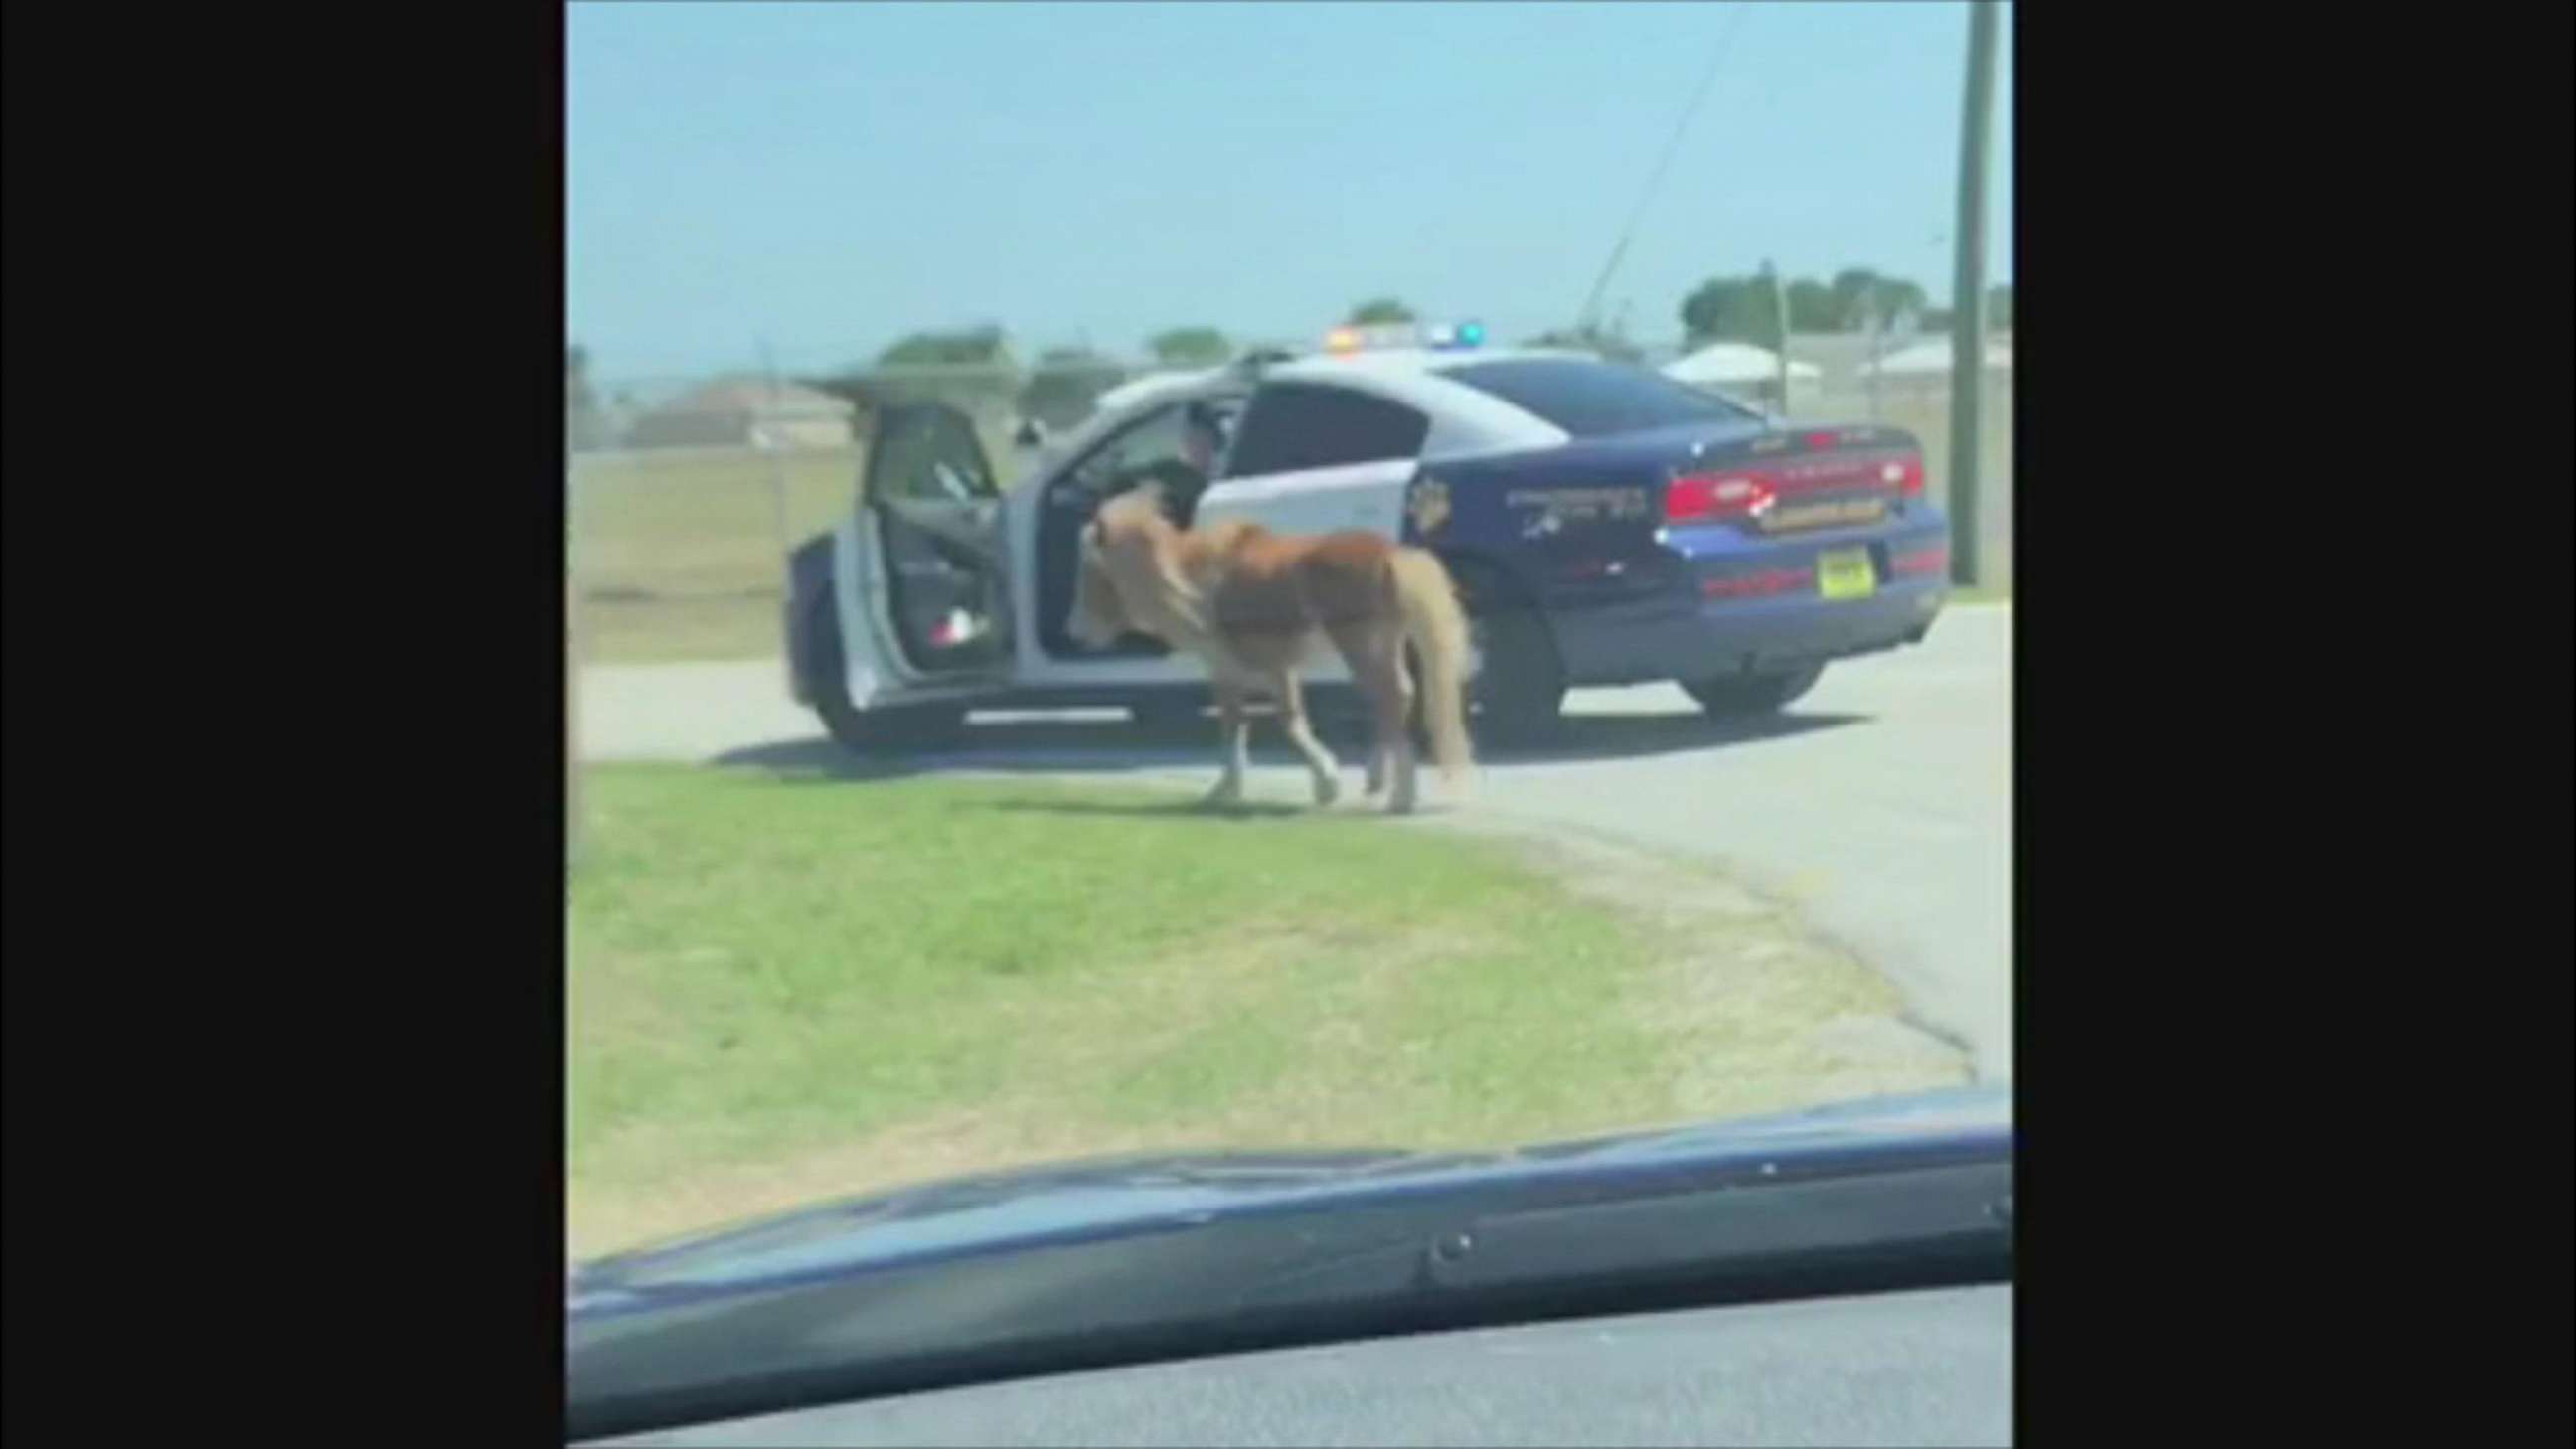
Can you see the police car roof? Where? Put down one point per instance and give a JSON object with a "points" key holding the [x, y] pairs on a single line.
{"points": [[1403, 361], [1466, 421], [1157, 385]]}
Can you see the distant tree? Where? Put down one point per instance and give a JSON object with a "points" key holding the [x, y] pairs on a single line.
{"points": [[1711, 307], [1812, 307], [1189, 346], [952, 348], [1854, 289], [1062, 386], [1737, 308], [1860, 293], [1381, 311]]}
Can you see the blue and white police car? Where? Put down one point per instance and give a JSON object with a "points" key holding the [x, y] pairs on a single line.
{"points": [[1606, 524]]}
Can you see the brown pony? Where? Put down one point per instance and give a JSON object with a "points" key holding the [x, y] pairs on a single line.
{"points": [[1249, 604]]}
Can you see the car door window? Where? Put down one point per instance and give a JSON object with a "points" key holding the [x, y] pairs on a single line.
{"points": [[926, 485], [1150, 446], [1293, 426], [928, 455]]}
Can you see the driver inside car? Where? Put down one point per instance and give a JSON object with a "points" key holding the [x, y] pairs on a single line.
{"points": [[1185, 477]]}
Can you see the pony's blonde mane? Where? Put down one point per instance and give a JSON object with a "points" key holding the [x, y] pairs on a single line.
{"points": [[1141, 552]]}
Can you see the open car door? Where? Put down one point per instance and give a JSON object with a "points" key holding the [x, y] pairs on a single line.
{"points": [[925, 560]]}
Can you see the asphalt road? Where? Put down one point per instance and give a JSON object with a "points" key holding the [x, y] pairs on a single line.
{"points": [[1881, 802]]}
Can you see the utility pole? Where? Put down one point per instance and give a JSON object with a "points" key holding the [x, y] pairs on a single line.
{"points": [[572, 629], [1780, 314], [1968, 295], [763, 439], [572, 664], [1873, 327]]}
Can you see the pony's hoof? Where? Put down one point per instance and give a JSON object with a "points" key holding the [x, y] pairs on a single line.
{"points": [[1221, 797], [1400, 805], [1327, 790]]}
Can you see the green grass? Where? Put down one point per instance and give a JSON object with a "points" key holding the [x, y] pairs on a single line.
{"points": [[783, 987]]}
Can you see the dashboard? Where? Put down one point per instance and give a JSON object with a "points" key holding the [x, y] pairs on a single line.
{"points": [[1921, 1367]]}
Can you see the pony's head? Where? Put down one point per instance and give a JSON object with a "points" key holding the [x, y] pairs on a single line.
{"points": [[1128, 578], [1098, 618]]}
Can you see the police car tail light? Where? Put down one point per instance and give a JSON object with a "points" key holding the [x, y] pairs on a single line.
{"points": [[1692, 497], [1907, 474]]}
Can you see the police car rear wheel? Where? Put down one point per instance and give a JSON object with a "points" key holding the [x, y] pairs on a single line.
{"points": [[1733, 695]]}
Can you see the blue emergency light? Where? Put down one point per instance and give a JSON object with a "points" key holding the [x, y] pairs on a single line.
{"points": [[1347, 339]]}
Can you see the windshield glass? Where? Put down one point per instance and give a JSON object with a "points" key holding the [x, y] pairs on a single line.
{"points": [[1563, 691]]}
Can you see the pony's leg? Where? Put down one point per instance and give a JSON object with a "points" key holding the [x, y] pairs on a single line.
{"points": [[1360, 650], [1393, 737], [1377, 664], [1372, 681], [1292, 717], [1234, 731], [1400, 800]]}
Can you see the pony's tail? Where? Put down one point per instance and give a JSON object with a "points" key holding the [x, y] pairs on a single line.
{"points": [[1437, 627]]}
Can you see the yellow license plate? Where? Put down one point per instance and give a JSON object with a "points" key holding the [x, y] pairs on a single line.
{"points": [[1844, 573]]}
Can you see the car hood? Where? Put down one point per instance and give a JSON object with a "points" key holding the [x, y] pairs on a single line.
{"points": [[1093, 1198]]}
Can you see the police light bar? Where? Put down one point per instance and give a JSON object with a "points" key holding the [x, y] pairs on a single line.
{"points": [[1437, 335]]}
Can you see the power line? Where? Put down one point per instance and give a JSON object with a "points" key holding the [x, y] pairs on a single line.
{"points": [[1672, 148]]}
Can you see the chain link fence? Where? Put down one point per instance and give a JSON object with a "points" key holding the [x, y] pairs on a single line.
{"points": [[686, 493]]}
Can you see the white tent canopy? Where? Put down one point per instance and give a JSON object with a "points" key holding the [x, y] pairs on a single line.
{"points": [[1933, 357], [1736, 362]]}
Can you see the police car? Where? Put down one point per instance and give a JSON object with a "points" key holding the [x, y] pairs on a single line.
{"points": [[1606, 524]]}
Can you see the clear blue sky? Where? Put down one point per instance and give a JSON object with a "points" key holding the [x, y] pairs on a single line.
{"points": [[831, 176]]}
